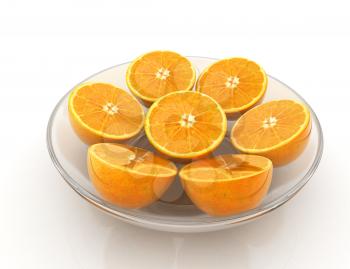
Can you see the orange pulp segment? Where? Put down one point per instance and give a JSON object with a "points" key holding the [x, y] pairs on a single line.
{"points": [[102, 112], [185, 125], [157, 73], [127, 176], [278, 130], [227, 184], [235, 83]]}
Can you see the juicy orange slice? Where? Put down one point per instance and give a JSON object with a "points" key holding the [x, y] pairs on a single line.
{"points": [[227, 184], [278, 130], [157, 73], [127, 176], [102, 112], [235, 83], [185, 125]]}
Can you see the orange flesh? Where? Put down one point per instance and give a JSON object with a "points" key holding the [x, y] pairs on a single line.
{"points": [[135, 160], [225, 167], [89, 103], [278, 130], [235, 83], [127, 176], [250, 133], [185, 124], [227, 184], [175, 73]]}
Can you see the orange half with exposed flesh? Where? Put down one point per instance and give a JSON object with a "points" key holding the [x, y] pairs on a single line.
{"points": [[185, 125], [235, 83], [101, 112], [127, 176], [227, 184], [278, 130], [158, 73]]}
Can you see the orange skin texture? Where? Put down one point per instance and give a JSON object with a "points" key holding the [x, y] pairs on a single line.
{"points": [[291, 151], [228, 197], [125, 188], [83, 133]]}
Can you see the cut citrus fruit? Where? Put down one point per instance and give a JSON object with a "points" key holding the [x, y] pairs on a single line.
{"points": [[278, 130], [157, 73], [227, 184], [127, 176], [102, 112], [235, 83], [185, 124]]}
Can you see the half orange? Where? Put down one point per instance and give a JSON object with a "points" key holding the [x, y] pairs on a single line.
{"points": [[278, 130], [127, 176], [102, 112], [235, 83], [185, 124], [157, 73], [227, 184]]}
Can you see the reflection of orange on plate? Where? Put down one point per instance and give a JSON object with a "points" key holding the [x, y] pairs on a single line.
{"points": [[235, 83], [227, 184], [278, 130], [127, 176], [101, 112], [158, 73], [185, 125]]}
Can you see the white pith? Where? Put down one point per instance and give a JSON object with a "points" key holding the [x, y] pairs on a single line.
{"points": [[110, 108], [187, 120], [162, 73], [269, 122], [232, 82]]}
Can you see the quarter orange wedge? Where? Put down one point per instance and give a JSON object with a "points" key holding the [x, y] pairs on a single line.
{"points": [[157, 73], [278, 130], [102, 112], [127, 176], [235, 83], [227, 184], [185, 125]]}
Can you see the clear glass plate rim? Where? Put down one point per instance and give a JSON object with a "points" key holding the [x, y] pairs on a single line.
{"points": [[251, 214]]}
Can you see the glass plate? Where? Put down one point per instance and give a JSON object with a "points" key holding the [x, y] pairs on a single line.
{"points": [[174, 212]]}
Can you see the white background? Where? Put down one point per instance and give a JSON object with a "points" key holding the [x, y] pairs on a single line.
{"points": [[47, 47]]}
